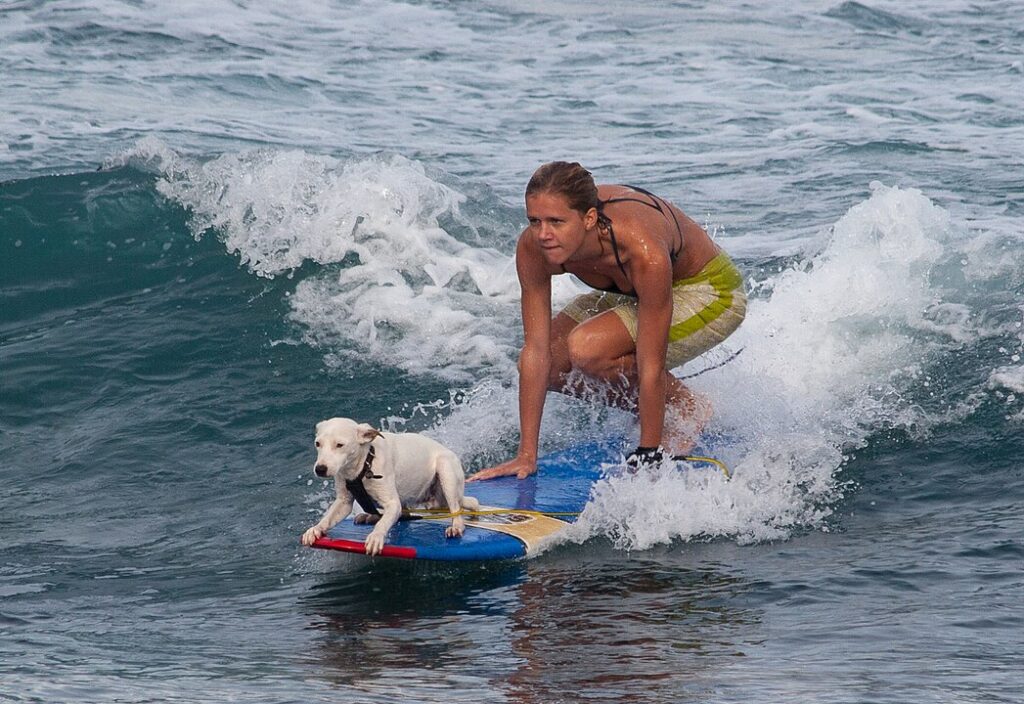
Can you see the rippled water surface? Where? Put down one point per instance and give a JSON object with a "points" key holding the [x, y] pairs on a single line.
{"points": [[221, 222]]}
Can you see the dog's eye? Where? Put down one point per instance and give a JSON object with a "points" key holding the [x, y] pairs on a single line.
{"points": [[340, 445], [317, 443]]}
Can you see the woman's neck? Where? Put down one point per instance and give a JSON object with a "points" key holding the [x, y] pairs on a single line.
{"points": [[592, 249]]}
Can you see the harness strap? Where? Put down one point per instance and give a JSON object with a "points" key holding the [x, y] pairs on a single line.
{"points": [[358, 489]]}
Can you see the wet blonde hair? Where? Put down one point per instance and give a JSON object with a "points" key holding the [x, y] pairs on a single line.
{"points": [[567, 179]]}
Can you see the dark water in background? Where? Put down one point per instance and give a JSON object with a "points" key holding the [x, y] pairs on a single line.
{"points": [[158, 389]]}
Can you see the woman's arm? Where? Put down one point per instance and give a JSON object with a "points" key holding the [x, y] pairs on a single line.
{"points": [[535, 358], [650, 270], [534, 362]]}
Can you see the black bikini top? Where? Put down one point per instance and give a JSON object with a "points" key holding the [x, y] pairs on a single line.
{"points": [[606, 223]]}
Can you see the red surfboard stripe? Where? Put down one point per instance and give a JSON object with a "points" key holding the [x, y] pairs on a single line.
{"points": [[357, 547]]}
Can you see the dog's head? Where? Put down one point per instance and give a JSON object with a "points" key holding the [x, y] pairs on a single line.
{"points": [[339, 447]]}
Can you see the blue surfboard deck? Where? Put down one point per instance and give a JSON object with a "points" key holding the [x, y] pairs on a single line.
{"points": [[561, 485]]}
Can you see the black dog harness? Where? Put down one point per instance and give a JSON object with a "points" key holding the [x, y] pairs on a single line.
{"points": [[358, 489]]}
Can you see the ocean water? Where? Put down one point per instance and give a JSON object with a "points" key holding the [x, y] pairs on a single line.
{"points": [[221, 222]]}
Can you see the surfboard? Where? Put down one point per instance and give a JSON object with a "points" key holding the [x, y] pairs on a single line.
{"points": [[516, 517]]}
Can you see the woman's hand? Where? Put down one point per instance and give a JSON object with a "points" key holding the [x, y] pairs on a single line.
{"points": [[643, 457], [520, 466]]}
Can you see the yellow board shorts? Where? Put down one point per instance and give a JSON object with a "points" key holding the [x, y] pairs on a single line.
{"points": [[706, 309]]}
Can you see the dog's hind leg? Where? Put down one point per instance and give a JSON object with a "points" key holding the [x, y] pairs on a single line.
{"points": [[435, 495]]}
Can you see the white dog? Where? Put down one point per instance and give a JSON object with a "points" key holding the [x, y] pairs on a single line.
{"points": [[396, 470]]}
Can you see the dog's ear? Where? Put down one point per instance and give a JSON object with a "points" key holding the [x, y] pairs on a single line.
{"points": [[366, 432], [316, 429]]}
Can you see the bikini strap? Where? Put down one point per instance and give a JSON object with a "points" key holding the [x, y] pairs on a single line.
{"points": [[656, 204], [606, 222]]}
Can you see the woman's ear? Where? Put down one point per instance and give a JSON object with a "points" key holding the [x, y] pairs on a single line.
{"points": [[590, 219]]}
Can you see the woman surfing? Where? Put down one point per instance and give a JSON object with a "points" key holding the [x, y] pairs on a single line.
{"points": [[664, 294]]}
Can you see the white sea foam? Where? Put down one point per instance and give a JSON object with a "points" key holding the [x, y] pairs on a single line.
{"points": [[841, 320], [393, 285], [1010, 377], [775, 488], [1007, 383]]}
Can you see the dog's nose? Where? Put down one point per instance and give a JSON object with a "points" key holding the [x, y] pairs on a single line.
{"points": [[321, 470]]}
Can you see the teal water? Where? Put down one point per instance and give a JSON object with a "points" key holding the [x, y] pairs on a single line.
{"points": [[288, 225]]}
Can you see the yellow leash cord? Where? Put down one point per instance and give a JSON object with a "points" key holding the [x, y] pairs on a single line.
{"points": [[711, 460]]}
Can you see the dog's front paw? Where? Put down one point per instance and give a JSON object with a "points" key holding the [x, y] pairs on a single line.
{"points": [[312, 535], [456, 529], [374, 543]]}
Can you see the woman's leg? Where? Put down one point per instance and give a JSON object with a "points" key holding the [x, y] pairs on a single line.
{"points": [[601, 348]]}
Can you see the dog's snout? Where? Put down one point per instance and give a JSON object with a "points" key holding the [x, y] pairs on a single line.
{"points": [[320, 470]]}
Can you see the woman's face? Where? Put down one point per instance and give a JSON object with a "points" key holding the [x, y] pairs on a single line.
{"points": [[558, 228]]}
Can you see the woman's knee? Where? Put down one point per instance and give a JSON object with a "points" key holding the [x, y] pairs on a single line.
{"points": [[558, 371], [586, 352]]}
